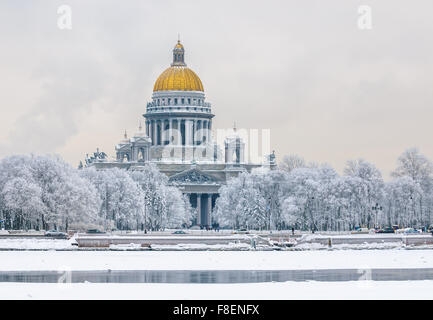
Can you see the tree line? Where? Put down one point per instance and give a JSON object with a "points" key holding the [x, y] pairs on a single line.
{"points": [[44, 192], [315, 197]]}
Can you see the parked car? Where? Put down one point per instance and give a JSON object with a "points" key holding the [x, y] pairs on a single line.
{"points": [[56, 234], [361, 231], [93, 231], [386, 230], [411, 231], [241, 231], [179, 232]]}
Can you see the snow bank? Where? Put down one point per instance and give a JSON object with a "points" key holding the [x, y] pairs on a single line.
{"points": [[214, 260], [36, 244], [254, 291]]}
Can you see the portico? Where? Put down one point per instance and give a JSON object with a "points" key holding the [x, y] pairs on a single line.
{"points": [[204, 203], [202, 190]]}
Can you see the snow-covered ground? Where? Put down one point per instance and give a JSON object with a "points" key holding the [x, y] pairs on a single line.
{"points": [[256, 291], [218, 260], [36, 244], [214, 260]]}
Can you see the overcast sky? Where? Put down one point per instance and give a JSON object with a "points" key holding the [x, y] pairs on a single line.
{"points": [[328, 90]]}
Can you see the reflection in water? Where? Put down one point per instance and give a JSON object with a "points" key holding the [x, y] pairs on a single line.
{"points": [[216, 276]]}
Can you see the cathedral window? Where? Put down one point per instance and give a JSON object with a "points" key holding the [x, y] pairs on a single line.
{"points": [[175, 100], [183, 100], [169, 101], [189, 100]]}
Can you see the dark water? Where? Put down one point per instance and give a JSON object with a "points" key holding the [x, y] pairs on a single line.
{"points": [[216, 276]]}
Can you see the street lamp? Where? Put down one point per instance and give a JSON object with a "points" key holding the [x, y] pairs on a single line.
{"points": [[313, 224], [376, 208]]}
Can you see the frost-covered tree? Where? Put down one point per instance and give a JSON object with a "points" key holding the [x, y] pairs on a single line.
{"points": [[403, 206], [306, 203], [122, 199], [23, 200], [164, 205], [46, 191], [367, 189], [291, 162], [413, 164], [241, 205]]}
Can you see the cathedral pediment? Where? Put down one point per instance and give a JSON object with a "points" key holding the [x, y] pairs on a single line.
{"points": [[193, 176], [123, 147], [143, 139]]}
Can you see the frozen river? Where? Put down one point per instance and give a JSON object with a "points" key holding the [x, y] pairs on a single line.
{"points": [[216, 276]]}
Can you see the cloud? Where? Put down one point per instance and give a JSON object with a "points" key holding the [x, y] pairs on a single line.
{"points": [[326, 89]]}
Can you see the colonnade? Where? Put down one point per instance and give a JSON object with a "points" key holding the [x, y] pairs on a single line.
{"points": [[179, 131], [204, 203]]}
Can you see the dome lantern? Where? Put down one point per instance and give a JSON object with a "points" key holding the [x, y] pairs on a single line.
{"points": [[179, 55], [178, 77]]}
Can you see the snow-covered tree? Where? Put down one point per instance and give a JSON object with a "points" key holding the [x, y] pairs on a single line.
{"points": [[367, 189], [23, 200], [241, 205], [291, 162], [164, 205], [413, 164], [121, 197], [403, 206], [46, 191]]}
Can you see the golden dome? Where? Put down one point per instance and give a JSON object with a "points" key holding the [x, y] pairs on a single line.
{"points": [[178, 78]]}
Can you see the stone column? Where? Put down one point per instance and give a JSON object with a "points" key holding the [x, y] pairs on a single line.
{"points": [[170, 131], [160, 130], [198, 209], [209, 208], [191, 141], [179, 132], [204, 131], [209, 128], [155, 135], [194, 132], [150, 130], [166, 132], [188, 132]]}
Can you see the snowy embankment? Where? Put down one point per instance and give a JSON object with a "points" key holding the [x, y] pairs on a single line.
{"points": [[254, 291], [214, 260], [221, 242], [36, 244]]}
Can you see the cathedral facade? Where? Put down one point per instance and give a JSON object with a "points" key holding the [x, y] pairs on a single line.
{"points": [[178, 138]]}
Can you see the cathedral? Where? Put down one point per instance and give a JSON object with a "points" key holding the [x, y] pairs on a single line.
{"points": [[177, 138]]}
